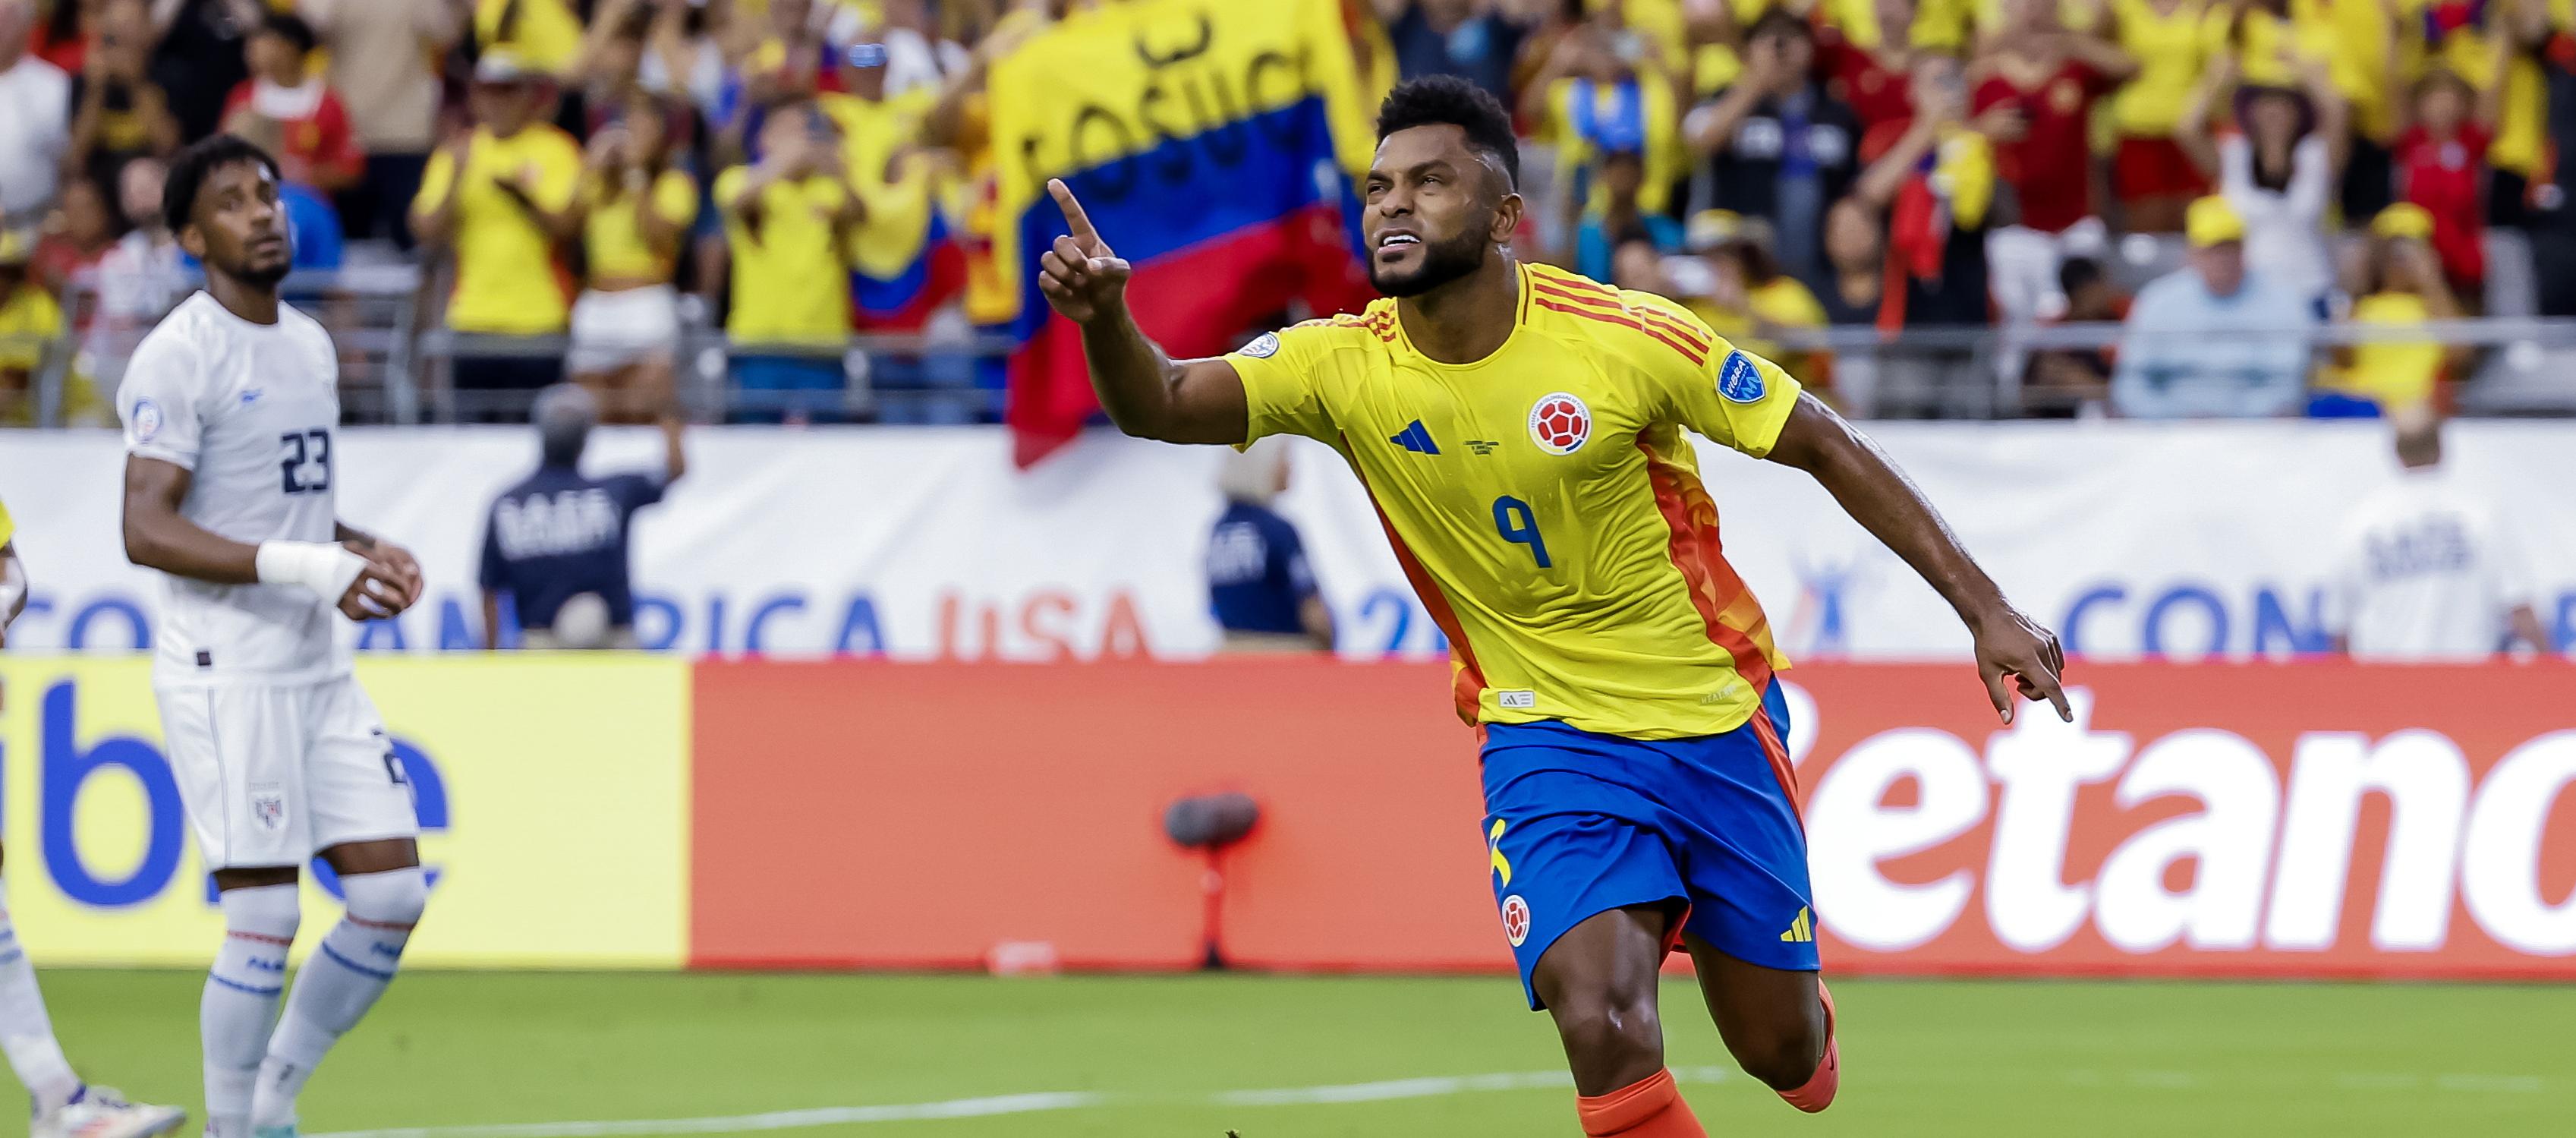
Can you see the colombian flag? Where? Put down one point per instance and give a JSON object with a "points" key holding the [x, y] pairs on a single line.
{"points": [[903, 262], [1214, 142]]}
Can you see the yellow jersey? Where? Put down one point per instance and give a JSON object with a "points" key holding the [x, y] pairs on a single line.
{"points": [[613, 234], [2392, 373], [1544, 502], [8, 529], [507, 279], [790, 280], [2171, 49]]}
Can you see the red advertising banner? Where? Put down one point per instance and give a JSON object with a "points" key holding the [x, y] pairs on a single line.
{"points": [[2202, 820]]}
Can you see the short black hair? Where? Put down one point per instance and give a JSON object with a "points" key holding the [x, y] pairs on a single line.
{"points": [[189, 171], [290, 27], [1779, 21], [1447, 100], [2076, 272]]}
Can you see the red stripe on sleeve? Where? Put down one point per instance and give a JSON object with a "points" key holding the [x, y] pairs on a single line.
{"points": [[1697, 357]]}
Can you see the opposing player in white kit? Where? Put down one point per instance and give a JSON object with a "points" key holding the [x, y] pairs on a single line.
{"points": [[64, 1106], [229, 409]]}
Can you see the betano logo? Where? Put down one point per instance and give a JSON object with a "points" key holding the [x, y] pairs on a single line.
{"points": [[2262, 865]]}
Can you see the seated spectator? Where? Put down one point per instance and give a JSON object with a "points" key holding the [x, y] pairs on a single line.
{"points": [[118, 111], [638, 206], [35, 117], [2151, 174], [2278, 171], [314, 224], [2442, 141], [1778, 146], [82, 230], [2213, 339], [287, 110], [1748, 299], [2401, 286], [1615, 214], [1639, 265], [1936, 186], [1464, 38], [2076, 382], [1855, 277], [787, 222], [2041, 79], [30, 321], [501, 198], [1259, 584], [145, 272], [383, 67]]}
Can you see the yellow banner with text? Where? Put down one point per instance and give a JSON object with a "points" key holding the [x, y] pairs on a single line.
{"points": [[553, 794]]}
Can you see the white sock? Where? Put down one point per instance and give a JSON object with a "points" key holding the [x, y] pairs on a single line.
{"points": [[338, 983], [241, 1000], [26, 1032]]}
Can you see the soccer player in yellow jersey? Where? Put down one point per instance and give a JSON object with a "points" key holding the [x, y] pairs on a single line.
{"points": [[1521, 431]]}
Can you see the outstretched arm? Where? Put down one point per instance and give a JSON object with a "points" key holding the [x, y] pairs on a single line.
{"points": [[1880, 498], [1146, 393]]}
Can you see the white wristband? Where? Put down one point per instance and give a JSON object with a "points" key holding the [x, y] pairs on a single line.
{"points": [[325, 569]]}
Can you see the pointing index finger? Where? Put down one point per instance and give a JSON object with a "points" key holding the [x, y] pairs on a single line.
{"points": [[1073, 215]]}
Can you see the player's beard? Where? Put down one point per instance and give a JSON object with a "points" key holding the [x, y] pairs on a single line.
{"points": [[265, 276], [1442, 262]]}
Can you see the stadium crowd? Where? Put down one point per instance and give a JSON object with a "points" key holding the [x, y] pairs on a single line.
{"points": [[587, 181]]}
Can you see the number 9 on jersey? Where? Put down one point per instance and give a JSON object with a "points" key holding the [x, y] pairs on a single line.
{"points": [[1518, 524]]}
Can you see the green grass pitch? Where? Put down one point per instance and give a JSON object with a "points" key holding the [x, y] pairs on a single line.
{"points": [[1148, 1056]]}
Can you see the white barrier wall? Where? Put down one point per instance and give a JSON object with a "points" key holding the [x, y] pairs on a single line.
{"points": [[2130, 539]]}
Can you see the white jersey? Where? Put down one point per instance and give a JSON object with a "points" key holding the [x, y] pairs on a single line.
{"points": [[251, 409], [2425, 572]]}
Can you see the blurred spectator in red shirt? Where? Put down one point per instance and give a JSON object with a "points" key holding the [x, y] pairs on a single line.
{"points": [[291, 112], [2048, 77], [2441, 159], [1867, 67], [82, 229]]}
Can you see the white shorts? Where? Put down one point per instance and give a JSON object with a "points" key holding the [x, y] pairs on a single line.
{"points": [[613, 329], [273, 775]]}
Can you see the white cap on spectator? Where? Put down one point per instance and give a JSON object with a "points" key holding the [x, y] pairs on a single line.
{"points": [[501, 65]]}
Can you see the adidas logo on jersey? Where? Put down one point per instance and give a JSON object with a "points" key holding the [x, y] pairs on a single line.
{"points": [[1801, 931], [1414, 437]]}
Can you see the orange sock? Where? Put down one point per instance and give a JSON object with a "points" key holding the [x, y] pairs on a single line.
{"points": [[1818, 1093], [1650, 1108]]}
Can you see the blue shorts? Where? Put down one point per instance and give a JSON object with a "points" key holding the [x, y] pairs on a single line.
{"points": [[1578, 824]]}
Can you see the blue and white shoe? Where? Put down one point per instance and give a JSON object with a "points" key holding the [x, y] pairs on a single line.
{"points": [[286, 1131], [102, 1112]]}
